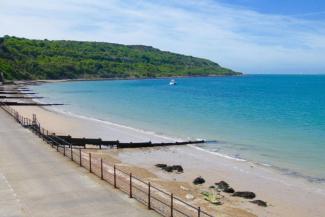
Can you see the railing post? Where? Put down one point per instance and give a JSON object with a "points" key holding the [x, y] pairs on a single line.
{"points": [[198, 211], [47, 138], [114, 176], [101, 169], [57, 147], [89, 162], [130, 185], [64, 150], [71, 152], [34, 119], [80, 157], [149, 195], [171, 205]]}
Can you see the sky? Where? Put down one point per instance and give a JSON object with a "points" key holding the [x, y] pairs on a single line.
{"points": [[250, 36]]}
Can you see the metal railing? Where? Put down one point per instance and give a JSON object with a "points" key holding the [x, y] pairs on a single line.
{"points": [[154, 198]]}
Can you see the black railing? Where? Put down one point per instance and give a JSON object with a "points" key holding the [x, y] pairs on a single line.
{"points": [[154, 198]]}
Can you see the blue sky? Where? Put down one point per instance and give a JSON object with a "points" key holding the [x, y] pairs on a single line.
{"points": [[311, 9], [251, 36]]}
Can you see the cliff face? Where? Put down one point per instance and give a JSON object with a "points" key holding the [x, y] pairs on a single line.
{"points": [[43, 59]]}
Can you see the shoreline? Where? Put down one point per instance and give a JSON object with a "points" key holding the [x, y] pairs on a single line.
{"points": [[106, 122], [240, 175], [283, 170], [43, 81]]}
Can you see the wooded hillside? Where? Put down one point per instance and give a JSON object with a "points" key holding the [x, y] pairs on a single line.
{"points": [[22, 59]]}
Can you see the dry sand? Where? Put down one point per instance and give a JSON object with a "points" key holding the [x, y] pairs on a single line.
{"points": [[286, 196]]}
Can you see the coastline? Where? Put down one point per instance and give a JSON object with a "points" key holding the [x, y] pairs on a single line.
{"points": [[283, 193], [41, 81]]}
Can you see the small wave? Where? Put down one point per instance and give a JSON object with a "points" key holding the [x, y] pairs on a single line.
{"points": [[265, 164], [152, 133], [284, 171], [293, 173], [217, 153]]}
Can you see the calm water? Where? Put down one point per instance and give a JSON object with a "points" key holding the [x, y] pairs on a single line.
{"points": [[275, 120]]}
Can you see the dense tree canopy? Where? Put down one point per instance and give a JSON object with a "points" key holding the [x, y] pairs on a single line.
{"points": [[24, 59]]}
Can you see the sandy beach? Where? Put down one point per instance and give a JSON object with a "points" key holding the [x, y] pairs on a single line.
{"points": [[285, 195]]}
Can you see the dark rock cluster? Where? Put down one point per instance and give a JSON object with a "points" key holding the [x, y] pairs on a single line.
{"points": [[224, 186], [165, 167], [244, 194], [199, 180], [259, 203]]}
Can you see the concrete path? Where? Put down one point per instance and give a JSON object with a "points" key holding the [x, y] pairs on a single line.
{"points": [[35, 181]]}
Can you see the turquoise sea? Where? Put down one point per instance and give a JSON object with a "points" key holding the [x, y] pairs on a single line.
{"points": [[274, 120]]}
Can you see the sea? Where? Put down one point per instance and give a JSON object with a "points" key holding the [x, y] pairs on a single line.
{"points": [[275, 121]]}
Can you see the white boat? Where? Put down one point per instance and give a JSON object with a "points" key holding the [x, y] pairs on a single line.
{"points": [[172, 82]]}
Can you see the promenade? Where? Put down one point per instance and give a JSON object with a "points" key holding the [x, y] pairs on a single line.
{"points": [[36, 181]]}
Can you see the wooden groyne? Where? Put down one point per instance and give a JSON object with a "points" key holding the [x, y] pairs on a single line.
{"points": [[15, 92], [21, 97], [29, 104], [21, 93], [99, 143], [14, 88], [60, 140]]}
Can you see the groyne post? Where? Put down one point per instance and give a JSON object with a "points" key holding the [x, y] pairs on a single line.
{"points": [[101, 169], [34, 119]]}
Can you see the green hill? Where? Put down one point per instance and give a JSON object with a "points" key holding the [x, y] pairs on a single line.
{"points": [[24, 59]]}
